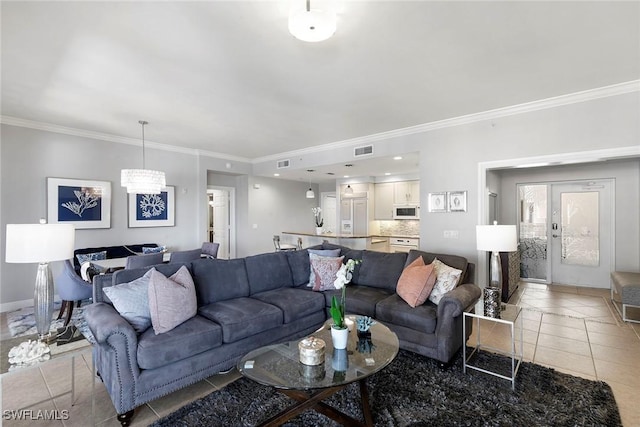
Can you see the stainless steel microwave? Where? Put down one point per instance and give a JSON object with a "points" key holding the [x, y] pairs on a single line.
{"points": [[406, 212]]}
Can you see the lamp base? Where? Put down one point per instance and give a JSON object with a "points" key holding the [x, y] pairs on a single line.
{"points": [[43, 301]]}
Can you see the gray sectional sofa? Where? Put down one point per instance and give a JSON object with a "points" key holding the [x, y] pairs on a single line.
{"points": [[250, 302]]}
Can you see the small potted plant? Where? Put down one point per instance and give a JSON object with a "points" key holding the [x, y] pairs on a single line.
{"points": [[317, 214], [339, 330]]}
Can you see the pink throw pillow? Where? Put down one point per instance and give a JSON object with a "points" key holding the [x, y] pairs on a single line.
{"points": [[416, 282], [325, 269]]}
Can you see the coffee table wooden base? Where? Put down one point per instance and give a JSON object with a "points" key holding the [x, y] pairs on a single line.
{"points": [[313, 400]]}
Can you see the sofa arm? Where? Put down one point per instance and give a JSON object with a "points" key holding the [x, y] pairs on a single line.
{"points": [[115, 353], [454, 302]]}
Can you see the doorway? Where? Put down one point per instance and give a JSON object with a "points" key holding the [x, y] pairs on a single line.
{"points": [[329, 213], [221, 228], [566, 232]]}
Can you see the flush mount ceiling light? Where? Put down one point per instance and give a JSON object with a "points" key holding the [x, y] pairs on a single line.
{"points": [[312, 24], [142, 181]]}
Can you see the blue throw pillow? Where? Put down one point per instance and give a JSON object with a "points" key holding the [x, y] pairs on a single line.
{"points": [[149, 250], [94, 256], [131, 299]]}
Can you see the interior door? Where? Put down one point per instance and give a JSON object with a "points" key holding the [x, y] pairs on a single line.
{"points": [[220, 221], [581, 231], [329, 212]]}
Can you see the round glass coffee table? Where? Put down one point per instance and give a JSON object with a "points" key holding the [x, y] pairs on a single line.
{"points": [[279, 366]]}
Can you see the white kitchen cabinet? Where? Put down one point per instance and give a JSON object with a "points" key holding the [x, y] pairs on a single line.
{"points": [[383, 202], [406, 192]]}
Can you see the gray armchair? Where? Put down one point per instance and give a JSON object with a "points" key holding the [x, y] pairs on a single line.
{"points": [[185, 256], [210, 250], [72, 289], [139, 261]]}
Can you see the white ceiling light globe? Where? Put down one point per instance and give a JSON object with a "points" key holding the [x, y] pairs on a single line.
{"points": [[314, 25]]}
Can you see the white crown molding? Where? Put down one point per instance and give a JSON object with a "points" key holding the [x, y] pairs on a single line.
{"points": [[557, 101], [14, 121], [573, 98]]}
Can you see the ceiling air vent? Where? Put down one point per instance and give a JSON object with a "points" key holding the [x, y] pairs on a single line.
{"points": [[363, 151], [281, 164]]}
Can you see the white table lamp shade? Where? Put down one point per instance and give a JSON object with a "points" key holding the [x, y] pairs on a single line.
{"points": [[31, 243], [496, 238]]}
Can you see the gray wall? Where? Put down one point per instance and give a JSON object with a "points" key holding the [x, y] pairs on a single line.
{"points": [[449, 160]]}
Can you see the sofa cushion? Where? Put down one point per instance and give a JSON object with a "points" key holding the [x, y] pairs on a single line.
{"points": [[192, 337], [242, 317], [454, 261], [416, 282], [447, 279], [294, 303], [325, 269], [268, 271], [321, 252], [131, 299], [381, 269], [172, 300], [219, 279], [299, 266], [396, 311], [359, 299]]}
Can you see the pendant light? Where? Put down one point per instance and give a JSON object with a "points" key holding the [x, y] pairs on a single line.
{"points": [[310, 193], [312, 24], [348, 190], [143, 181]]}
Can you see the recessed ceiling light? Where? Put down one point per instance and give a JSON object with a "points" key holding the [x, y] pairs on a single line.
{"points": [[276, 174], [387, 173], [346, 176], [330, 173], [311, 170], [397, 158], [348, 165]]}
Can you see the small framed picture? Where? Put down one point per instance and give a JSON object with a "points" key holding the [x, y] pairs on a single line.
{"points": [[438, 202], [81, 202], [457, 201], [152, 210]]}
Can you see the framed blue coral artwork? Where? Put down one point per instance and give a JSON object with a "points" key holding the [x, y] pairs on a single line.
{"points": [[83, 203], [152, 210]]}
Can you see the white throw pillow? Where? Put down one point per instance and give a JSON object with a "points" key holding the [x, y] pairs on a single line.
{"points": [[172, 300], [447, 279]]}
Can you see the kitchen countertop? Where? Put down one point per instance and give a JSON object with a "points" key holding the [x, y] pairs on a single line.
{"points": [[349, 236]]}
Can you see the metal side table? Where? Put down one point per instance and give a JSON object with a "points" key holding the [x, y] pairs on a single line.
{"points": [[510, 315]]}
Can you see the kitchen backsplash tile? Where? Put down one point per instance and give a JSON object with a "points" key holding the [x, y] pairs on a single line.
{"points": [[400, 228]]}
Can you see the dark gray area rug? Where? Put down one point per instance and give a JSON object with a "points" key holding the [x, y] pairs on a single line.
{"points": [[415, 391]]}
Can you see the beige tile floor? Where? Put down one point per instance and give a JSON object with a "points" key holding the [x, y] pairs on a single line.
{"points": [[572, 330]]}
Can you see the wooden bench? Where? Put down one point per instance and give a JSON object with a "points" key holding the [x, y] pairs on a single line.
{"points": [[625, 290]]}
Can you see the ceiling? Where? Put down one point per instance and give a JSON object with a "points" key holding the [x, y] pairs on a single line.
{"points": [[227, 77]]}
